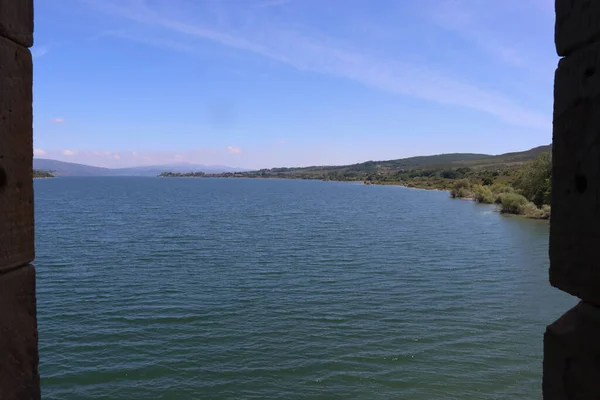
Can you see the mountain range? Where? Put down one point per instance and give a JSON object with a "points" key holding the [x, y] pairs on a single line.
{"points": [[452, 160], [61, 168]]}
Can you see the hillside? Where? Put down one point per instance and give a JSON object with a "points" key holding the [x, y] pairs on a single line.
{"points": [[508, 159], [452, 160], [61, 168], [399, 167], [430, 172]]}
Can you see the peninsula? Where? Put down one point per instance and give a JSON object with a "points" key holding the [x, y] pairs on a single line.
{"points": [[38, 173]]}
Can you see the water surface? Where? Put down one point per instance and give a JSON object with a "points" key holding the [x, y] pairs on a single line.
{"points": [[155, 288]]}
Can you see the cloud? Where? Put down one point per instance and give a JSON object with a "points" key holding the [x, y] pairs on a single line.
{"points": [[128, 158], [307, 51], [39, 152], [39, 51], [58, 120], [475, 22], [152, 41], [234, 150]]}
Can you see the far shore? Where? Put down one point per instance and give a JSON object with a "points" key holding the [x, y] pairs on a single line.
{"points": [[369, 183]]}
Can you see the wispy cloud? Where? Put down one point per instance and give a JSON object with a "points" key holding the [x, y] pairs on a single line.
{"points": [[39, 51], [39, 152], [152, 41], [234, 150], [134, 158], [58, 120], [478, 23], [317, 53]]}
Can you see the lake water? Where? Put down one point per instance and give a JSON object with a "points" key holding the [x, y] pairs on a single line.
{"points": [[154, 288]]}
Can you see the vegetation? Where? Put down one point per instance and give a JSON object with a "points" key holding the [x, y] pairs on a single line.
{"points": [[184, 175], [528, 194], [520, 183], [38, 173], [533, 180], [483, 194]]}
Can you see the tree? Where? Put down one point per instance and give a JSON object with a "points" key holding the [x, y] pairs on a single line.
{"points": [[461, 188], [487, 181], [534, 180], [513, 203]]}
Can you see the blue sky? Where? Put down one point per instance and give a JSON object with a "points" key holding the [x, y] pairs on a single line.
{"points": [[264, 83]]}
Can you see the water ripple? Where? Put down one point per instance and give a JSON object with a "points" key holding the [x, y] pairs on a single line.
{"points": [[242, 289]]}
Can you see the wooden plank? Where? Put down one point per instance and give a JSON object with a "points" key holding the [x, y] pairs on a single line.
{"points": [[577, 25], [16, 21], [16, 156], [19, 376]]}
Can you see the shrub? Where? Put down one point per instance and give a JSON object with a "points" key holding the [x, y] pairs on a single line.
{"points": [[530, 210], [546, 211], [462, 193], [487, 181], [462, 188], [512, 203], [483, 194], [498, 188], [534, 179]]}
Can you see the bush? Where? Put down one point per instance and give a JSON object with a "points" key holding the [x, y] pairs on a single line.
{"points": [[534, 180], [462, 188], [532, 211], [498, 188], [483, 194], [546, 211], [512, 203], [463, 193]]}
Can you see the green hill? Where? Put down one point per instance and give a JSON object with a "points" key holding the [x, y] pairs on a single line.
{"points": [[437, 171], [440, 161]]}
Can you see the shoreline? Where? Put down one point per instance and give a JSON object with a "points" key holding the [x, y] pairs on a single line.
{"points": [[368, 183]]}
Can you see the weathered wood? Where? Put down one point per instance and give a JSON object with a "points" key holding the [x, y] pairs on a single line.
{"points": [[16, 21], [577, 24], [575, 225], [19, 376], [16, 156], [571, 355]]}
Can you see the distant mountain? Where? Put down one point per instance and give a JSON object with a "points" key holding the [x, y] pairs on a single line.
{"points": [[453, 160], [69, 169], [61, 168]]}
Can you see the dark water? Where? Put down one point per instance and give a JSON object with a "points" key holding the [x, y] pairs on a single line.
{"points": [[257, 289]]}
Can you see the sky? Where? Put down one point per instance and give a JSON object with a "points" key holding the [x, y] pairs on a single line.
{"points": [[267, 83]]}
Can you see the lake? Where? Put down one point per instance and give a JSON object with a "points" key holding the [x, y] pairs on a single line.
{"points": [[170, 288]]}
